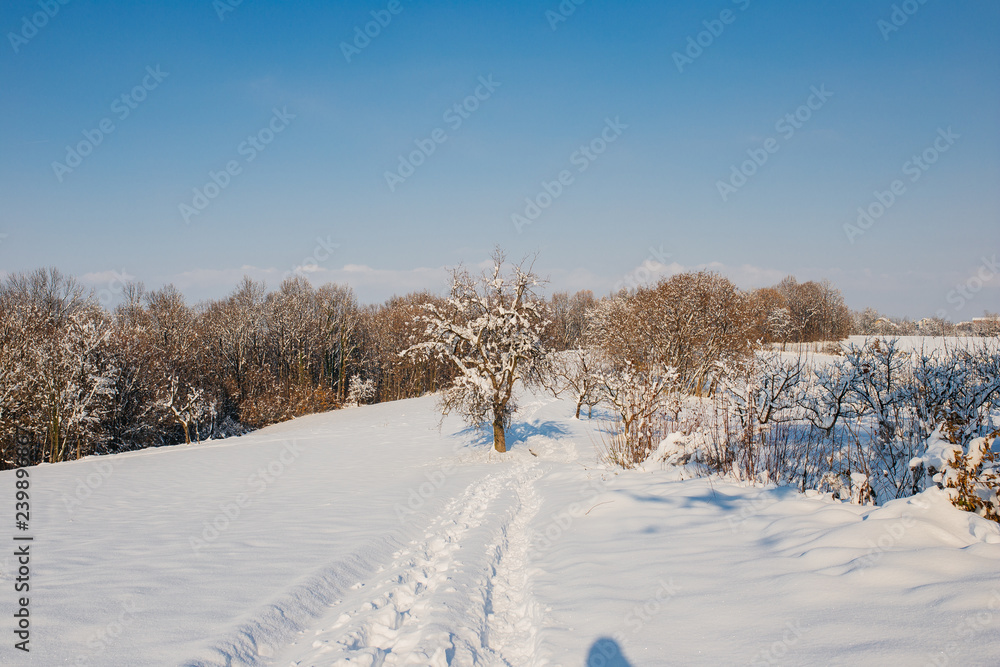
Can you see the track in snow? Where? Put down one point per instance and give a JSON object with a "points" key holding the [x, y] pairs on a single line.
{"points": [[415, 611]]}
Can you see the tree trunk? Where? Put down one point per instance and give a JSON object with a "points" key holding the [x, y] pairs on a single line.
{"points": [[499, 438]]}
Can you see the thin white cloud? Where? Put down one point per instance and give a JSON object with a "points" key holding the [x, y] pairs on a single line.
{"points": [[105, 277], [370, 284]]}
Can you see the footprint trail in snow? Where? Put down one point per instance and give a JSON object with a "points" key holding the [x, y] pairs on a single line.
{"points": [[458, 595]]}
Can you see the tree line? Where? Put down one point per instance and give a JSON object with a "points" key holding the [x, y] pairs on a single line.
{"points": [[77, 379]]}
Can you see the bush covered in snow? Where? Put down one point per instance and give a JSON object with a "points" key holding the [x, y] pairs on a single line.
{"points": [[970, 474], [361, 390], [870, 426]]}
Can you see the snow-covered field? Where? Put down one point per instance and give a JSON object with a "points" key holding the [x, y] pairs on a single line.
{"points": [[369, 536], [931, 344], [918, 344]]}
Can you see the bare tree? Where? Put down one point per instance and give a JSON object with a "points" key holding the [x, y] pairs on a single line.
{"points": [[341, 322], [576, 372], [568, 319], [690, 322], [817, 310], [186, 403]]}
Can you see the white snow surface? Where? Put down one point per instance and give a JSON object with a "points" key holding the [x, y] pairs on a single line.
{"points": [[933, 344], [380, 538]]}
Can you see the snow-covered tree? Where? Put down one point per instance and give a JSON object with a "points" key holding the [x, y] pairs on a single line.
{"points": [[60, 381], [491, 329], [188, 405], [362, 390]]}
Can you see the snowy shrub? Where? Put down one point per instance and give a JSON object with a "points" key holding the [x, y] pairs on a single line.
{"points": [[958, 389], [971, 475], [639, 400], [857, 426], [846, 485], [753, 405], [227, 427], [361, 391]]}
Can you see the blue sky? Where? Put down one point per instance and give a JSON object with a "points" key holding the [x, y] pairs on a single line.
{"points": [[646, 195]]}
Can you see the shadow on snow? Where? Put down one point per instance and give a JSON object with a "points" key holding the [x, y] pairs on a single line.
{"points": [[517, 433]]}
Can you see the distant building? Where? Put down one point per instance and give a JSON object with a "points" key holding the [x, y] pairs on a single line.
{"points": [[986, 326], [980, 326], [965, 327], [884, 325]]}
